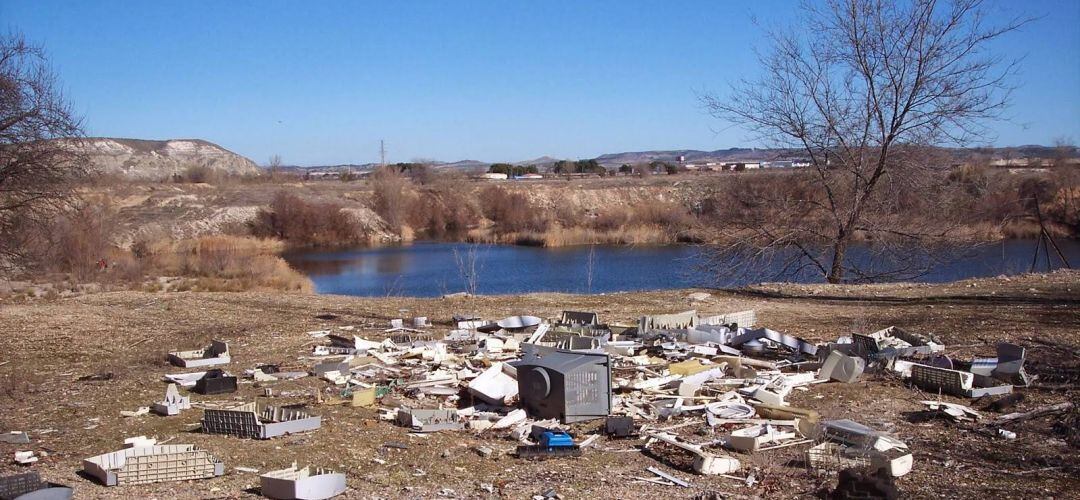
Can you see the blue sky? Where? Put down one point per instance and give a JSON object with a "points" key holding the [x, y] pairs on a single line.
{"points": [[323, 82]]}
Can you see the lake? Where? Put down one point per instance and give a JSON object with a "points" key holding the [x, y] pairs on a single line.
{"points": [[431, 269]]}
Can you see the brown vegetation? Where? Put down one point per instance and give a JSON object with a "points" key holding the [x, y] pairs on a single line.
{"points": [[304, 223], [80, 246]]}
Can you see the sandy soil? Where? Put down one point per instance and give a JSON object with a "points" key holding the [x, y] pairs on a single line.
{"points": [[49, 344]]}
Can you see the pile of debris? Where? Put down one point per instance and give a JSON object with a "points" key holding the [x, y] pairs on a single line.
{"points": [[542, 384]]}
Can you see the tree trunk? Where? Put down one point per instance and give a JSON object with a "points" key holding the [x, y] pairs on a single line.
{"points": [[836, 271]]}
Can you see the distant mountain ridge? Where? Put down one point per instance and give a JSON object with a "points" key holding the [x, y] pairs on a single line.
{"points": [[161, 159], [613, 160]]}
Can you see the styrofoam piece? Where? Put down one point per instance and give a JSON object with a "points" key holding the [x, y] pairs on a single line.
{"points": [[756, 436], [689, 386], [579, 318], [741, 319], [152, 464], [622, 347], [494, 386], [25, 457], [15, 437], [139, 441], [704, 462], [252, 421], [29, 486], [841, 367], [260, 376], [142, 410], [538, 335], [954, 382], [422, 420], [173, 402], [709, 334], [185, 379], [302, 484], [511, 419], [216, 354], [774, 392], [677, 321], [954, 411], [330, 366]]}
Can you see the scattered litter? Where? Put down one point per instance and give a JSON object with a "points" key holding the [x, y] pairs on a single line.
{"points": [[173, 403], [955, 412], [25, 457], [704, 462], [421, 420], [669, 477], [15, 437], [153, 464], [143, 410], [302, 484], [251, 420], [215, 382], [139, 441], [217, 353], [29, 486]]}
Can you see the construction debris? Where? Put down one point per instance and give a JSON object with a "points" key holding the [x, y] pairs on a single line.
{"points": [[25, 457], [436, 420], [704, 462], [674, 480], [955, 412], [258, 422], [153, 464], [215, 382], [302, 484], [217, 353], [29, 486], [14, 437], [668, 377]]}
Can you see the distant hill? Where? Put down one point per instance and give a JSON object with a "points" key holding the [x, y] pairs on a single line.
{"points": [[160, 159], [152, 159]]}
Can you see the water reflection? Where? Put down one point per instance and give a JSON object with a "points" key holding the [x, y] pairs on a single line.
{"points": [[430, 269]]}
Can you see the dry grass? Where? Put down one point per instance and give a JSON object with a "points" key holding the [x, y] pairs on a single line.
{"points": [[226, 263]]}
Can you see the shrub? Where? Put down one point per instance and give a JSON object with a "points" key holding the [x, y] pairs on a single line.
{"points": [[511, 212], [306, 224], [198, 174], [79, 240], [390, 197]]}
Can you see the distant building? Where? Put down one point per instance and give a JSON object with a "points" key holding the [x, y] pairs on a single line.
{"points": [[494, 176]]}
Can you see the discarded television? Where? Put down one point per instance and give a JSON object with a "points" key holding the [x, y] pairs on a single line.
{"points": [[571, 386]]}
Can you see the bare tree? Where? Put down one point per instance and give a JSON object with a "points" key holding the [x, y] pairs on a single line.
{"points": [[37, 171], [469, 266], [590, 268], [863, 89]]}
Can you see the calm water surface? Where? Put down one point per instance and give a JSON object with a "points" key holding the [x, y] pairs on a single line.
{"points": [[430, 269]]}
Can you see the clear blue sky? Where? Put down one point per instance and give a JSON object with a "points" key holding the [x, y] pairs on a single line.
{"points": [[322, 82]]}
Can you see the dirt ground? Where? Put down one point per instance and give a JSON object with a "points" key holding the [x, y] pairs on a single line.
{"points": [[49, 344]]}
